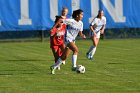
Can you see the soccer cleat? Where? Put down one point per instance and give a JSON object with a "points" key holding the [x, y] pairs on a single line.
{"points": [[58, 68], [63, 63], [91, 58], [52, 70], [73, 68], [88, 56]]}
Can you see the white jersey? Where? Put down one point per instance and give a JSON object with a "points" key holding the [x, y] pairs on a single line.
{"points": [[98, 23], [73, 28]]}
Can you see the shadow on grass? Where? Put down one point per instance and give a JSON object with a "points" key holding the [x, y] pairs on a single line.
{"points": [[32, 68], [16, 72], [25, 60], [115, 63]]}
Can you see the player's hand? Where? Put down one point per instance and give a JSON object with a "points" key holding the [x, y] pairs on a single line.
{"points": [[51, 32], [95, 35], [102, 32], [84, 37]]}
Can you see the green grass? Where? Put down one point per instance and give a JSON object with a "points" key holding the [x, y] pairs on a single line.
{"points": [[24, 68]]}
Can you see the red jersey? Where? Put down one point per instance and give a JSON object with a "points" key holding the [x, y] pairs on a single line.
{"points": [[57, 35]]}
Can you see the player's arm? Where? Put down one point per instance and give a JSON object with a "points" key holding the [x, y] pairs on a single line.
{"points": [[53, 33], [92, 27], [102, 29], [82, 35], [80, 31], [102, 32], [54, 26]]}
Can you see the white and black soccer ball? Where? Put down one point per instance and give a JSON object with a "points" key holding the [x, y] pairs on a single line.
{"points": [[80, 69]]}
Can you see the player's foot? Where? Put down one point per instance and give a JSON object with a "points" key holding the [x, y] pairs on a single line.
{"points": [[73, 68], [91, 58], [52, 70], [63, 63], [58, 68], [88, 55]]}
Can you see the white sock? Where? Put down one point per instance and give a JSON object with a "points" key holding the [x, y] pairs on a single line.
{"points": [[58, 63], [74, 60], [93, 52], [91, 48]]}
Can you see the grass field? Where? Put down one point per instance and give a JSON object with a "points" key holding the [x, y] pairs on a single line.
{"points": [[24, 68]]}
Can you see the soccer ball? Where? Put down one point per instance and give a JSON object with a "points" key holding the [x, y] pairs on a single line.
{"points": [[80, 69]]}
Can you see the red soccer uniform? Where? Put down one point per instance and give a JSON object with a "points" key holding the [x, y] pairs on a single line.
{"points": [[57, 37]]}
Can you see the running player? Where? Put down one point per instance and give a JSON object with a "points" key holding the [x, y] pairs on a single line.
{"points": [[64, 13], [57, 44], [64, 16], [57, 39], [74, 26], [97, 27]]}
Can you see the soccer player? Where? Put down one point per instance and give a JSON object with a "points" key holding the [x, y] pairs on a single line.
{"points": [[97, 27], [57, 39], [64, 16], [74, 26], [64, 13], [57, 44]]}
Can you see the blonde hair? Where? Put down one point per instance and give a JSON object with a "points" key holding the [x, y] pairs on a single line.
{"points": [[63, 8]]}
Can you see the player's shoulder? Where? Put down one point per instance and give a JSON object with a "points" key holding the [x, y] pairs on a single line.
{"points": [[95, 20], [81, 22], [63, 26], [69, 19], [103, 17]]}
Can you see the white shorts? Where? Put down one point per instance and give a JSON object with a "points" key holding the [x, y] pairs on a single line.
{"points": [[68, 40], [97, 34]]}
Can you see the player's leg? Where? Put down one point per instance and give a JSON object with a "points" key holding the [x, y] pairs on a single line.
{"points": [[95, 43], [59, 61], [74, 48], [92, 50], [65, 53], [55, 52], [62, 48]]}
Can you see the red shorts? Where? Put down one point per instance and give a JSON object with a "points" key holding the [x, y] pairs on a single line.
{"points": [[57, 48]]}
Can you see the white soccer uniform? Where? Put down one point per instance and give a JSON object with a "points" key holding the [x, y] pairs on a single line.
{"points": [[98, 24], [73, 28]]}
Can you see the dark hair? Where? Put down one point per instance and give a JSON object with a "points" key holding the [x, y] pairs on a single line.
{"points": [[76, 13], [57, 18], [99, 12]]}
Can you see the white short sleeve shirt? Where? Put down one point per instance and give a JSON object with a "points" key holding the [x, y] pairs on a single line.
{"points": [[73, 28], [98, 23]]}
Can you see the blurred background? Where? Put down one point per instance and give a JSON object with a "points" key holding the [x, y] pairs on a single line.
{"points": [[31, 20]]}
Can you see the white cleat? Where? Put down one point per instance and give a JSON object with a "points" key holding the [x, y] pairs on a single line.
{"points": [[58, 68], [88, 56], [63, 63]]}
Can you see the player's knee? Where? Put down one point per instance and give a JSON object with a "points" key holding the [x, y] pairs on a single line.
{"points": [[63, 57], [95, 43], [75, 51]]}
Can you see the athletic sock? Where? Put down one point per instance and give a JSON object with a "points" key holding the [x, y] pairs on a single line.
{"points": [[93, 52], [74, 60], [91, 48], [58, 63]]}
